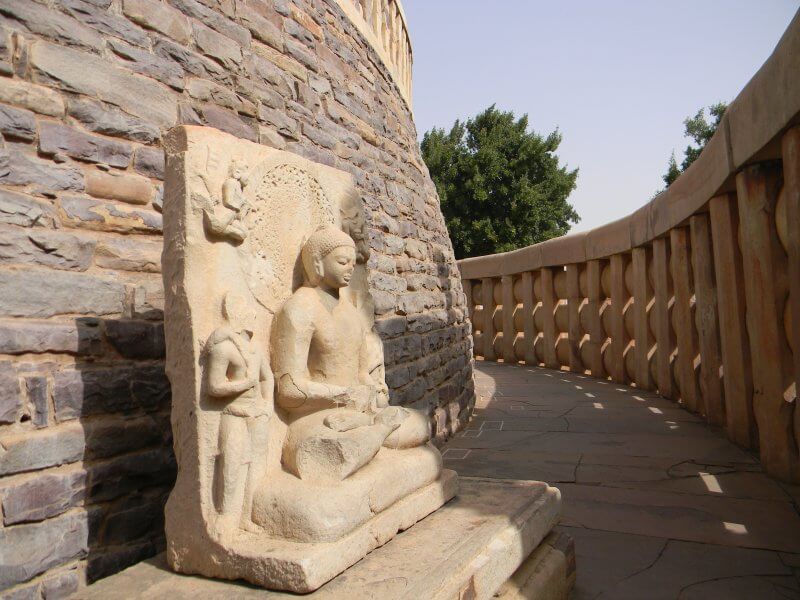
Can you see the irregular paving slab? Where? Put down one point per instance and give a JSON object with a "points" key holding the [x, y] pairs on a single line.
{"points": [[655, 487]]}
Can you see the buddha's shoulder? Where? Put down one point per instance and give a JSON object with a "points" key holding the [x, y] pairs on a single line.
{"points": [[303, 300]]}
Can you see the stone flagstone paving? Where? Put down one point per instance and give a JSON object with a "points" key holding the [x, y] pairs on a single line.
{"points": [[660, 505]]}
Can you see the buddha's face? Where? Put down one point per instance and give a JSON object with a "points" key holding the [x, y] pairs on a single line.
{"points": [[337, 267]]}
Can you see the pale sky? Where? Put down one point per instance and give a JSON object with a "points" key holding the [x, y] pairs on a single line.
{"points": [[616, 77]]}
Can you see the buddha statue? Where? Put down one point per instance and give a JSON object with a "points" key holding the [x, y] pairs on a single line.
{"points": [[328, 368]]}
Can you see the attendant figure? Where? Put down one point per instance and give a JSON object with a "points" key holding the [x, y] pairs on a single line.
{"points": [[238, 375]]}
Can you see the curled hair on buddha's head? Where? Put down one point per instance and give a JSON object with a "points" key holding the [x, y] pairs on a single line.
{"points": [[321, 243]]}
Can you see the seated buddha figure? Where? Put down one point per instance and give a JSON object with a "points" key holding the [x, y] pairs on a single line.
{"points": [[328, 368]]}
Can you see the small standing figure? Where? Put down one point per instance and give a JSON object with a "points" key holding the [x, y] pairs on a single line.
{"points": [[238, 374], [230, 223]]}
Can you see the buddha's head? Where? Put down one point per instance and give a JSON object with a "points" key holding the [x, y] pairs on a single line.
{"points": [[329, 257]]}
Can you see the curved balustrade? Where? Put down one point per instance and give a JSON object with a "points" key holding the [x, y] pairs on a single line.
{"points": [[693, 295], [383, 24]]}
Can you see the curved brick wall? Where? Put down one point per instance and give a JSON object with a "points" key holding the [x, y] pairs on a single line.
{"points": [[88, 87]]}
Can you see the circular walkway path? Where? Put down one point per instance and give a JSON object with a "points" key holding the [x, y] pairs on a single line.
{"points": [[660, 505]]}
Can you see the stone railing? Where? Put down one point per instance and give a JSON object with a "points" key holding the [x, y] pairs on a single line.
{"points": [[692, 295], [383, 24]]}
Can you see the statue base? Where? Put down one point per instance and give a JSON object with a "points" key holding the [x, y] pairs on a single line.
{"points": [[493, 540], [280, 564]]}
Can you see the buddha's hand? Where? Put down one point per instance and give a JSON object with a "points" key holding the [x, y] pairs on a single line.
{"points": [[360, 397]]}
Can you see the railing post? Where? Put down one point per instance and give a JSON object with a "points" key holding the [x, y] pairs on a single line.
{"points": [[466, 284], [757, 189], [509, 332], [549, 326], [705, 291], [487, 293], [682, 311], [619, 338], [529, 329], [735, 345], [665, 339], [791, 191], [597, 336], [575, 333], [642, 333]]}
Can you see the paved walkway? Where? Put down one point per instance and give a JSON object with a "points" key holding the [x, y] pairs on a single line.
{"points": [[660, 505]]}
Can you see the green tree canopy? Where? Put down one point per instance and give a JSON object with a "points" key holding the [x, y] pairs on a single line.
{"points": [[500, 185], [701, 131]]}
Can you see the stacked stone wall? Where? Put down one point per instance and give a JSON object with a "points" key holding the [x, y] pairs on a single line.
{"points": [[87, 90]]}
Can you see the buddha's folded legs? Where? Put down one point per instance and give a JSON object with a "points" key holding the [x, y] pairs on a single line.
{"points": [[414, 427]]}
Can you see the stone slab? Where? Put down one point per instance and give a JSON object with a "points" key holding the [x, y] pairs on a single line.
{"points": [[468, 548]]}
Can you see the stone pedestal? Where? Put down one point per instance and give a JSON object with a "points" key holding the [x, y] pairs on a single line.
{"points": [[494, 538]]}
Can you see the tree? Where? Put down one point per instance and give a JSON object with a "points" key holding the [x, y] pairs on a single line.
{"points": [[701, 131], [500, 186]]}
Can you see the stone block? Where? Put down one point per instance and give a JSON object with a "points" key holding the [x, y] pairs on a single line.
{"points": [[387, 283], [283, 62], [210, 92], [165, 70], [261, 29], [150, 388], [216, 19], [298, 32], [135, 519], [106, 22], [109, 120], [285, 125], [109, 438], [36, 389], [109, 390], [269, 137], [301, 54], [80, 393], [384, 302], [107, 216], [389, 327], [17, 123], [160, 17], [306, 21], [52, 24], [27, 592], [10, 393], [37, 98], [133, 189], [402, 349], [46, 248], [21, 209], [149, 162], [130, 473], [30, 451], [414, 302], [318, 136], [217, 46], [61, 586], [43, 497], [228, 121], [136, 339], [19, 168], [96, 77], [191, 62], [127, 254], [28, 550], [50, 293], [148, 301]]}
